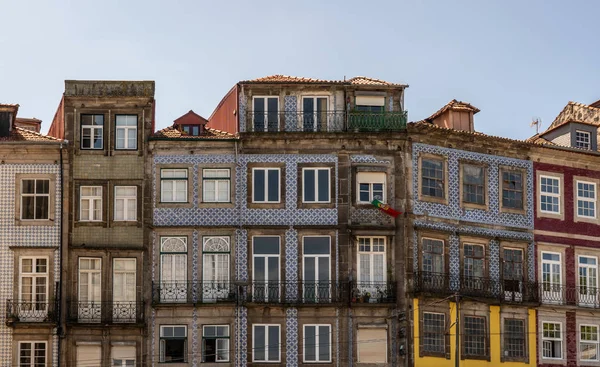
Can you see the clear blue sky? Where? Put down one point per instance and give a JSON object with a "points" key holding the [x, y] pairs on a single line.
{"points": [[512, 59]]}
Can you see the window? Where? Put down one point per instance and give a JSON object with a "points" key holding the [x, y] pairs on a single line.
{"points": [[89, 355], [474, 265], [432, 178], [173, 269], [125, 203], [265, 269], [91, 203], [512, 189], [551, 340], [266, 113], [173, 185], [90, 272], [215, 343], [124, 305], [371, 261], [512, 274], [551, 277], [583, 140], [514, 338], [216, 185], [316, 185], [549, 194], [371, 186], [192, 130], [215, 268], [373, 104], [588, 342], [433, 256], [265, 343], [173, 343], [433, 333], [586, 199], [588, 280], [475, 336], [317, 343], [473, 184], [316, 253], [372, 345], [92, 130], [33, 283], [35, 197], [314, 113], [265, 185], [123, 356], [126, 132], [32, 354]]}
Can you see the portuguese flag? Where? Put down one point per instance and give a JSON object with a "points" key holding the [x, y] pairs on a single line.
{"points": [[385, 208]]}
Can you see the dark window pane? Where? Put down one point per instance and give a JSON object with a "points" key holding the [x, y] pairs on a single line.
{"points": [[28, 207], [316, 245], [273, 343], [41, 209], [259, 114], [309, 185], [28, 186], [266, 245], [273, 263], [210, 350], [259, 185], [323, 185], [273, 185], [309, 269], [324, 269], [273, 120], [42, 186], [195, 130], [324, 345], [259, 343], [310, 342], [259, 269], [99, 120], [175, 350]]}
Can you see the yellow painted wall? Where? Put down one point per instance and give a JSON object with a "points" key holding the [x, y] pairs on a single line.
{"points": [[495, 345]]}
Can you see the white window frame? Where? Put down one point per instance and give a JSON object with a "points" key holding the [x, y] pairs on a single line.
{"points": [[126, 199], [552, 340], [597, 343], [35, 195], [316, 286], [584, 199], [181, 291], [161, 357], [316, 169], [266, 256], [589, 298], [315, 113], [32, 344], [370, 183], [91, 199], [34, 275], [218, 181], [549, 194], [174, 180], [556, 296], [91, 309], [266, 112], [92, 129], [317, 343], [266, 170], [582, 144], [371, 254], [266, 350], [123, 361], [126, 271], [126, 129], [228, 338]]}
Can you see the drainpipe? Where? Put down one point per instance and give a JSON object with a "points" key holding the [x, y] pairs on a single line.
{"points": [[59, 329]]}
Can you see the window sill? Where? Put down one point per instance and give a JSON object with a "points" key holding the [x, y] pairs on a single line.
{"points": [[280, 205], [433, 199], [120, 223], [89, 224], [211, 205], [316, 205], [174, 204], [513, 210], [478, 358], [472, 206], [541, 214], [35, 222]]}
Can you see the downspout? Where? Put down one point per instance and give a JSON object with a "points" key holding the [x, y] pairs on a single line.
{"points": [[59, 330]]}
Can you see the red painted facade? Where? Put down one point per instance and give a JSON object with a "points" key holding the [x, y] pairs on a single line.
{"points": [[225, 116]]}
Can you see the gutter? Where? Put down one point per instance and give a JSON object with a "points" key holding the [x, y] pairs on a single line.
{"points": [[59, 329], [191, 139]]}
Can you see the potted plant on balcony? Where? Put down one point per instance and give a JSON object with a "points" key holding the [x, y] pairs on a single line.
{"points": [[367, 297]]}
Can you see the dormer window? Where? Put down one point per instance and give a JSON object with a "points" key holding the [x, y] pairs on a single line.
{"points": [[583, 140], [193, 130]]}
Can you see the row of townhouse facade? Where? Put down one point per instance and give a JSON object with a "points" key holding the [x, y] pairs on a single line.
{"points": [[253, 238]]}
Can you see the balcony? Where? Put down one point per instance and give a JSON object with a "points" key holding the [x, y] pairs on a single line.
{"points": [[505, 291], [106, 312], [373, 292], [34, 312], [326, 121], [309, 292], [561, 294], [193, 292]]}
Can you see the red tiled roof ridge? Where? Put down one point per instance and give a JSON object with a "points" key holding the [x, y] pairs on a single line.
{"points": [[36, 133], [454, 104], [357, 80]]}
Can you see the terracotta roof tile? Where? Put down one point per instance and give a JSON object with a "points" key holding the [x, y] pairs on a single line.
{"points": [[363, 80], [20, 134], [357, 80], [576, 112], [454, 105], [209, 133], [424, 125]]}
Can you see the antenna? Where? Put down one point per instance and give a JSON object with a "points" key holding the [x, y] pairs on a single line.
{"points": [[537, 122]]}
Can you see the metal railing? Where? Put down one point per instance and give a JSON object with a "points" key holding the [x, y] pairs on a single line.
{"points": [[325, 121], [20, 311], [193, 292], [504, 290], [373, 292], [307, 292], [561, 294], [106, 312]]}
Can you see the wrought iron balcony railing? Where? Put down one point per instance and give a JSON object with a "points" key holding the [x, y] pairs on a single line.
{"points": [[307, 292], [20, 311], [504, 290], [193, 292], [93, 312], [374, 292], [325, 121], [561, 294]]}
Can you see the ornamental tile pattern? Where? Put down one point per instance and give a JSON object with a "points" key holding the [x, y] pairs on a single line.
{"points": [[290, 113], [195, 341], [242, 336], [195, 278], [242, 116], [453, 210], [241, 254], [291, 263], [291, 337], [494, 248], [454, 261]]}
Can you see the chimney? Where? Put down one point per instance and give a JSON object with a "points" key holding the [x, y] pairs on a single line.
{"points": [[455, 115], [5, 123]]}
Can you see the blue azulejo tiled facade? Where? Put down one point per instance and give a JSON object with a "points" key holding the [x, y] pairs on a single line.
{"points": [[20, 240]]}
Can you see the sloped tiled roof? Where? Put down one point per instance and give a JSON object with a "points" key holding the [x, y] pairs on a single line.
{"points": [[454, 105], [31, 120], [537, 139], [190, 118], [284, 79], [20, 134], [576, 112], [172, 132]]}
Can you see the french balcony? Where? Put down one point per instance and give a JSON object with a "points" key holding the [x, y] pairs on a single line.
{"points": [[34, 312], [307, 292], [325, 121], [504, 291], [561, 294], [373, 292], [193, 292], [93, 312]]}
